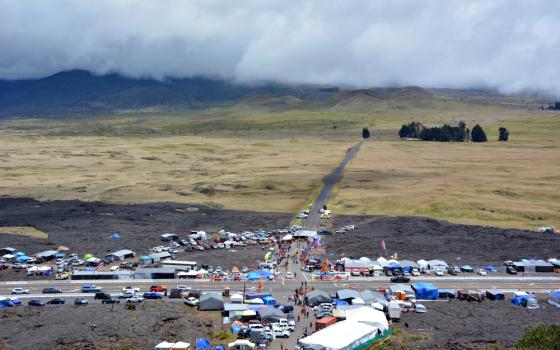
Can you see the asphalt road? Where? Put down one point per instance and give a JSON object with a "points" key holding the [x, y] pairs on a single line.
{"points": [[313, 221]]}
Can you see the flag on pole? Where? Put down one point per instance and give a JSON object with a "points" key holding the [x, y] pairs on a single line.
{"points": [[382, 245]]}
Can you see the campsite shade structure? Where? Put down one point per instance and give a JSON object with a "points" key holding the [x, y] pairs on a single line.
{"points": [[317, 297], [425, 291], [467, 268], [270, 314]]}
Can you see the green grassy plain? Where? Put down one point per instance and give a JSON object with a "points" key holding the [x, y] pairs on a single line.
{"points": [[255, 158]]}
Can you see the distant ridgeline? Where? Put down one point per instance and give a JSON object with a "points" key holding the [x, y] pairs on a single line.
{"points": [[445, 133]]}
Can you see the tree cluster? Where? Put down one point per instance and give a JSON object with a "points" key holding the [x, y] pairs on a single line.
{"points": [[445, 133]]}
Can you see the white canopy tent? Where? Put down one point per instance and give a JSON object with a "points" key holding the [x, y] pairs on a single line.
{"points": [[355, 334]]}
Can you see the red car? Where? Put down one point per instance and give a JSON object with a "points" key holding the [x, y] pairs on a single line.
{"points": [[160, 289], [4, 267]]}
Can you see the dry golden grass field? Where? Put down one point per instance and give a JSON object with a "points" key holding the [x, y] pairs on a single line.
{"points": [[510, 184], [257, 159]]}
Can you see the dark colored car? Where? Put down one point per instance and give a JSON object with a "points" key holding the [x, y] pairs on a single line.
{"points": [[51, 290], [102, 295], [56, 301], [80, 301], [451, 271], [243, 333], [511, 270], [4, 267], [152, 295], [324, 232], [36, 302], [400, 279], [110, 301]]}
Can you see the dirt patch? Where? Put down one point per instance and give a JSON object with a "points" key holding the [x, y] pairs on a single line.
{"points": [[463, 325], [87, 227], [97, 326], [417, 238]]}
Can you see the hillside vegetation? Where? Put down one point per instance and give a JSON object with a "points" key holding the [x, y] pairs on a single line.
{"points": [[268, 150]]}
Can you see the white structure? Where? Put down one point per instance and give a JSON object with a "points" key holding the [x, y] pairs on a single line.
{"points": [[355, 334], [369, 316]]}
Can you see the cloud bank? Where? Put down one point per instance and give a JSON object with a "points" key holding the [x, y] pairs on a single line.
{"points": [[505, 44]]}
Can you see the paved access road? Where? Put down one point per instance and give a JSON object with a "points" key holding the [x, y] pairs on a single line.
{"points": [[313, 221]]}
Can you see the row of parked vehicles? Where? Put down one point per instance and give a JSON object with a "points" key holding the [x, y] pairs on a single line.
{"points": [[263, 332]]}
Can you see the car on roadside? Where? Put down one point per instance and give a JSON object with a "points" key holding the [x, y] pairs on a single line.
{"points": [[135, 300], [152, 295], [102, 295], [183, 288], [18, 266], [51, 290], [16, 291], [481, 272], [110, 301], [159, 289], [127, 295], [400, 279], [131, 289], [415, 272], [56, 301], [289, 275], [451, 271], [90, 288], [355, 273], [81, 301], [36, 302], [438, 272], [511, 270], [191, 301]]}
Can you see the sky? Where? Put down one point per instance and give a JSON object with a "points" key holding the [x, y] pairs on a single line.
{"points": [[509, 45]]}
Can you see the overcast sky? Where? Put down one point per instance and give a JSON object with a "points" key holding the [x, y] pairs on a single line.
{"points": [[510, 45]]}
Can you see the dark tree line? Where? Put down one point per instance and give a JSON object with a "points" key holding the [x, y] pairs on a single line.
{"points": [[445, 133]]}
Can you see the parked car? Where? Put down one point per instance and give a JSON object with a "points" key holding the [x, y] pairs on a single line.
{"points": [[135, 300], [127, 295], [56, 301], [420, 308], [451, 271], [183, 288], [481, 272], [110, 301], [153, 295], [400, 279], [20, 291], [511, 270], [191, 301], [131, 289], [80, 301], [51, 290], [36, 302], [102, 295], [90, 288], [160, 289], [4, 267], [289, 275], [439, 272], [415, 272]]}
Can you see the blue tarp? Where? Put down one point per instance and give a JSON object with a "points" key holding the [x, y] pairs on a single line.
{"points": [[490, 268], [116, 235], [22, 258], [19, 254], [145, 258], [252, 276], [494, 294], [393, 266], [425, 291], [518, 300], [467, 268], [446, 293], [341, 302], [202, 343]]}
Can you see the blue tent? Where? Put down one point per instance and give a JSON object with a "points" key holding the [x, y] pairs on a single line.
{"points": [[393, 266], [490, 268], [446, 293], [467, 268], [341, 302], [518, 300], [202, 343], [59, 255], [19, 254], [22, 258], [116, 235], [251, 276], [264, 273], [425, 291]]}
